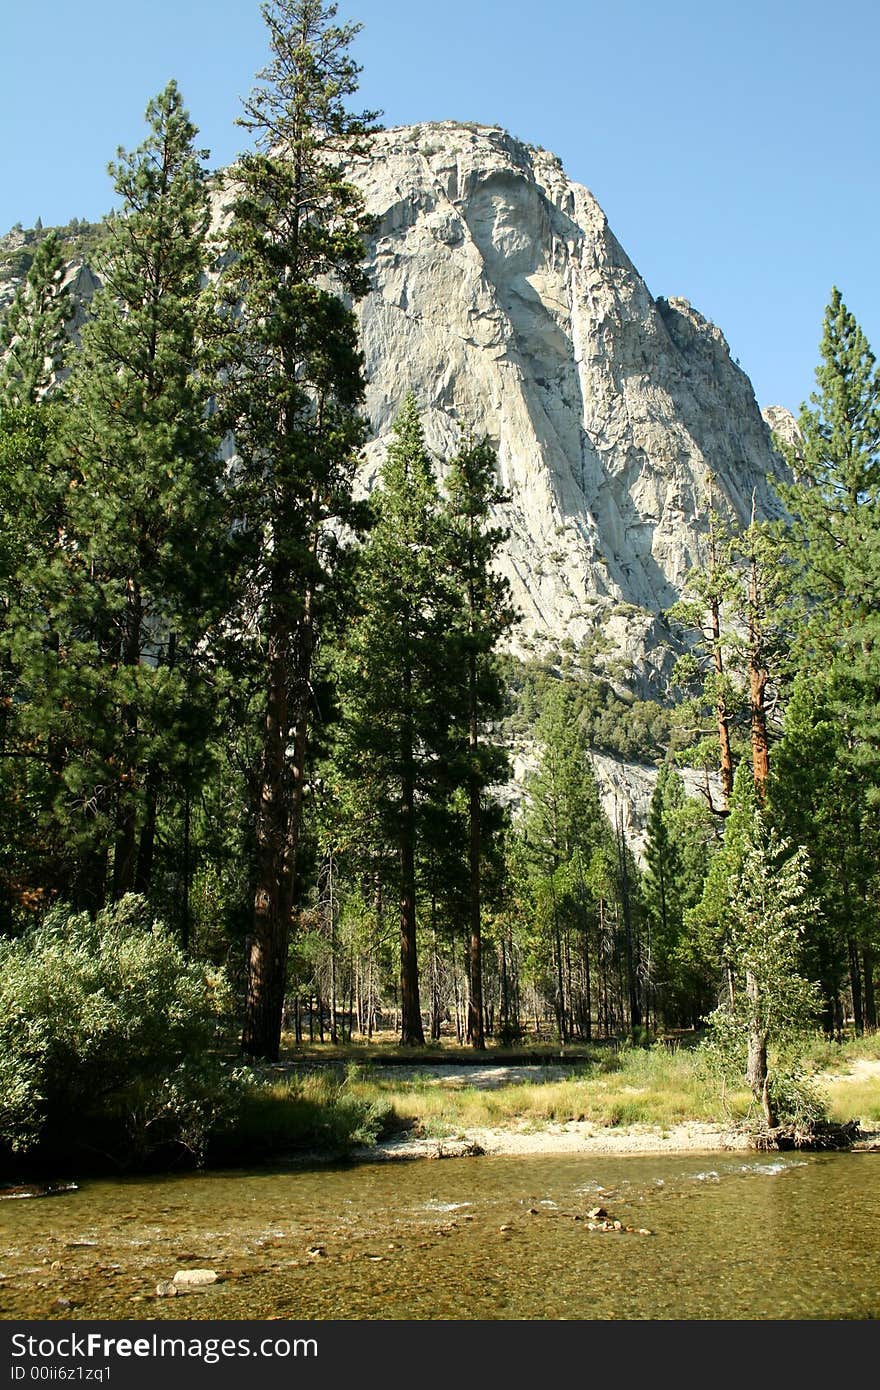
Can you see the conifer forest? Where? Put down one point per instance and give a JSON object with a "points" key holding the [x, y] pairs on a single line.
{"points": [[275, 769]]}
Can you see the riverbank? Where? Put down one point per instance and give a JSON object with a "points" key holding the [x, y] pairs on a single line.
{"points": [[536, 1110], [575, 1137], [616, 1102]]}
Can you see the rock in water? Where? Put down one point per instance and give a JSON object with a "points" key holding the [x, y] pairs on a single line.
{"points": [[195, 1278]]}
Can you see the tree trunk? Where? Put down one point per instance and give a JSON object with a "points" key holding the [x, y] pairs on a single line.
{"points": [[725, 755], [475, 963], [870, 997], [756, 1069], [147, 846], [560, 980], [411, 1030], [758, 678], [855, 981], [267, 958], [635, 1009], [125, 845]]}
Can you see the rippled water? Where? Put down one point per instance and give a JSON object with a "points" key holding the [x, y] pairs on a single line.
{"points": [[733, 1236]]}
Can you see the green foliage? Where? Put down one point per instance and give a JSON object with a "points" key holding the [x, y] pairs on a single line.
{"points": [[835, 534], [319, 1112], [827, 792], [677, 853], [619, 725], [290, 384], [764, 914], [32, 338], [107, 1034], [130, 568]]}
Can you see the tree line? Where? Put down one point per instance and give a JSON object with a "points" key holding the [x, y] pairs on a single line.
{"points": [[276, 709]]}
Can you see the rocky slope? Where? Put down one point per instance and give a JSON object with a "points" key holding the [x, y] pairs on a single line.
{"points": [[503, 299]]}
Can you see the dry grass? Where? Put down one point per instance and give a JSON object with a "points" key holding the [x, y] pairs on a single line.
{"points": [[631, 1087], [855, 1100], [607, 1086]]}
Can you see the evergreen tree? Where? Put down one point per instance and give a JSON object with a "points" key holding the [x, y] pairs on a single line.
{"points": [[707, 922], [484, 615], [835, 553], [565, 828], [394, 676], [702, 672], [32, 348], [676, 853], [133, 571], [32, 334], [818, 800], [762, 638], [835, 500], [293, 381], [662, 882], [835, 532], [770, 1001]]}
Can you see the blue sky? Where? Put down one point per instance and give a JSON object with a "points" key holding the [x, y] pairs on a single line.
{"points": [[733, 147]]}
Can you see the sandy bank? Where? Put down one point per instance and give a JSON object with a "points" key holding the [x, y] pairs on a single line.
{"points": [[581, 1136], [578, 1136]]}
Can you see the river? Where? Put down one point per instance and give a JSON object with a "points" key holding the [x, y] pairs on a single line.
{"points": [[731, 1236]]}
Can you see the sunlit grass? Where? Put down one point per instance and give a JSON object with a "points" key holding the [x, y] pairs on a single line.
{"points": [[652, 1087], [823, 1054], [362, 1097], [855, 1100]]}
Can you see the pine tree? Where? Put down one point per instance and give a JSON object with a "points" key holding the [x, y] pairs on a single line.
{"points": [[134, 569], [32, 335], [835, 552], [566, 833], [765, 915], [394, 676], [837, 464], [676, 854], [817, 799], [293, 384], [702, 672], [706, 923], [484, 616], [33, 343]]}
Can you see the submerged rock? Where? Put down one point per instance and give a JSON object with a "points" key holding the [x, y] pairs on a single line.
{"points": [[195, 1278]]}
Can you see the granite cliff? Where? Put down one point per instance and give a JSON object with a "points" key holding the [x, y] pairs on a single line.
{"points": [[502, 298]]}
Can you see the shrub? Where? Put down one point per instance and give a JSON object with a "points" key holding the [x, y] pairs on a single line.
{"points": [[106, 1036], [312, 1113]]}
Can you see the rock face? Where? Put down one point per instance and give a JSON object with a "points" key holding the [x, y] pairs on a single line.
{"points": [[501, 297]]}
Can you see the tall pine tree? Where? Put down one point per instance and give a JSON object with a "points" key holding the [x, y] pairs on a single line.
{"points": [[484, 615], [33, 342], [835, 551], [394, 676], [293, 382], [133, 571]]}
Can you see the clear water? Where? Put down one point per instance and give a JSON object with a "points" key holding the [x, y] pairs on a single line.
{"points": [[733, 1236]]}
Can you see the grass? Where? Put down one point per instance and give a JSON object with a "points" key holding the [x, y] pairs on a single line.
{"points": [[635, 1086], [359, 1097], [315, 1113], [823, 1054], [384, 1048], [859, 1100]]}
